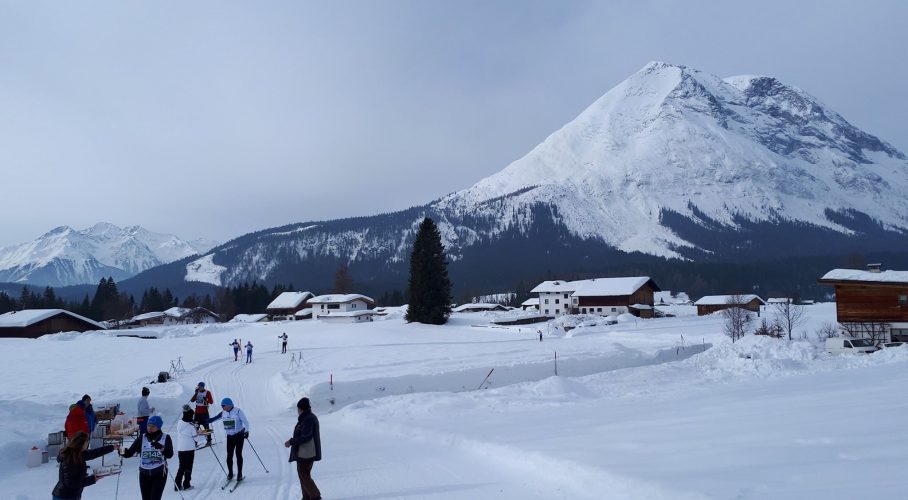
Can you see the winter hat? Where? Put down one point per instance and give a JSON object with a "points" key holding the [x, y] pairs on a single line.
{"points": [[145, 391], [303, 404], [188, 414], [156, 421], [226, 402], [202, 385]]}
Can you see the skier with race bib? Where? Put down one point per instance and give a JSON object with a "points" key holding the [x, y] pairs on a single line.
{"points": [[283, 342], [249, 351], [202, 398], [236, 350], [236, 426], [154, 448]]}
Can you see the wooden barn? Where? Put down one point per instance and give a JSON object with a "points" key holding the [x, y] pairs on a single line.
{"points": [[713, 303], [33, 323], [871, 304], [287, 304]]}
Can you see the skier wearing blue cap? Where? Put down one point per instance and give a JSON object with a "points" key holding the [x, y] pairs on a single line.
{"points": [[154, 455], [237, 428]]}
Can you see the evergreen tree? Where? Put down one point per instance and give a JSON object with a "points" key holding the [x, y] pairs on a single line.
{"points": [[343, 282], [7, 303], [429, 288]]}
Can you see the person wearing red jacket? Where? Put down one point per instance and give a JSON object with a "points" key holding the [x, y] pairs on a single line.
{"points": [[202, 398], [77, 420]]}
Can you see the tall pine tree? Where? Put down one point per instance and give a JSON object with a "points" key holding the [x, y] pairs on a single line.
{"points": [[429, 288]]}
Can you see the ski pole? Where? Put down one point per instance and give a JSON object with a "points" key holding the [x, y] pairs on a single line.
{"points": [[218, 459], [258, 457], [167, 469]]}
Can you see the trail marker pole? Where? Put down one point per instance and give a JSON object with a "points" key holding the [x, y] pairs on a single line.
{"points": [[331, 381], [484, 380], [556, 363]]}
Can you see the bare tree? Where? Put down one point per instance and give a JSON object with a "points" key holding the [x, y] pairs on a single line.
{"points": [[790, 316], [827, 331], [736, 317], [875, 331]]}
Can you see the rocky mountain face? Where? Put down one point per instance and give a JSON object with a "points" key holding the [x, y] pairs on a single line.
{"points": [[672, 167], [65, 256]]}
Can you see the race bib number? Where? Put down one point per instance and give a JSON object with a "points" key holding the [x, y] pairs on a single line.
{"points": [[229, 424]]}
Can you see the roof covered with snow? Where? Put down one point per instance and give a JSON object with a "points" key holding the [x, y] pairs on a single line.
{"points": [[721, 300], [339, 298], [289, 300], [28, 317], [596, 287], [859, 275], [479, 307], [304, 312], [148, 315], [530, 302], [248, 318]]}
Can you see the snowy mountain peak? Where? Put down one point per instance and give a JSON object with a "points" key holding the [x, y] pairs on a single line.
{"points": [[64, 256], [672, 138]]}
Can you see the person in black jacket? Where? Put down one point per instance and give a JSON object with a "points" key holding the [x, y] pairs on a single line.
{"points": [[306, 448], [154, 455], [72, 458]]}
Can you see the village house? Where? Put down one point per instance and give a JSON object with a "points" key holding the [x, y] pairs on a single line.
{"points": [[871, 304], [340, 304], [531, 304], [33, 323], [249, 318], [287, 304], [603, 296], [713, 303], [173, 316]]}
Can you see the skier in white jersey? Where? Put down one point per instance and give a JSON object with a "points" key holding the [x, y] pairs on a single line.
{"points": [[155, 448], [237, 428]]}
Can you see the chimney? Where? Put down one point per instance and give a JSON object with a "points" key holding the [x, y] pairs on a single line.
{"points": [[874, 268]]}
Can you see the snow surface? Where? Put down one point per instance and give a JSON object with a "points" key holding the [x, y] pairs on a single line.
{"points": [[634, 413], [204, 270], [248, 318]]}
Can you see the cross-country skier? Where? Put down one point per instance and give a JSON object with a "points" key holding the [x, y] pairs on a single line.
{"points": [[237, 429], [236, 350], [154, 448], [283, 342], [249, 351], [202, 398], [186, 446]]}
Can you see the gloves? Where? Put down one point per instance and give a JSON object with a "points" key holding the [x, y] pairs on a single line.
{"points": [[246, 435], [157, 445]]}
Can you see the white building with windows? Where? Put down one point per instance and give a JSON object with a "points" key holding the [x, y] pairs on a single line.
{"points": [[603, 296], [334, 304]]}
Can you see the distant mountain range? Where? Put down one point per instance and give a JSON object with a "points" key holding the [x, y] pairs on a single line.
{"points": [[65, 256], [699, 181]]}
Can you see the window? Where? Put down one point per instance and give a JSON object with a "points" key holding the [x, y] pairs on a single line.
{"points": [[556, 301], [334, 306], [599, 309], [903, 300], [565, 295], [583, 311], [614, 309], [546, 311], [546, 301]]}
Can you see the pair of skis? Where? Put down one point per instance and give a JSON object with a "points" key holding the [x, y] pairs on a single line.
{"points": [[236, 484]]}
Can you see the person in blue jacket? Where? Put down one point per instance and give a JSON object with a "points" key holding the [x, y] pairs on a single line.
{"points": [[236, 426], [89, 414]]}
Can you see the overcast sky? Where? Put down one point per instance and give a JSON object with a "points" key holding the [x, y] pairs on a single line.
{"points": [[213, 119]]}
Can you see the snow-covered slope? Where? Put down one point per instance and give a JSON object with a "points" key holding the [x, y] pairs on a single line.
{"points": [[65, 256], [671, 137]]}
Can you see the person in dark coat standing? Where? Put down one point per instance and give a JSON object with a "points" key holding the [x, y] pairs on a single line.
{"points": [[306, 448], [71, 474]]}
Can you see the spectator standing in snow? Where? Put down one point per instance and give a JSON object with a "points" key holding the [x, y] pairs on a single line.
{"points": [[249, 351], [236, 350], [89, 414], [236, 426], [283, 342], [144, 411], [202, 398], [71, 478], [186, 446], [154, 455], [76, 420], [306, 448]]}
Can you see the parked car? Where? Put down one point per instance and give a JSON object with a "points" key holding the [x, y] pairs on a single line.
{"points": [[842, 345], [886, 345]]}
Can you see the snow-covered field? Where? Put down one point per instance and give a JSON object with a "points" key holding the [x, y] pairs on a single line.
{"points": [[634, 413]]}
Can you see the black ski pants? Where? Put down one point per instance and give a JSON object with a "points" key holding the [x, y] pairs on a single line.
{"points": [[283, 348], [184, 472], [152, 483], [202, 419], [235, 443]]}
